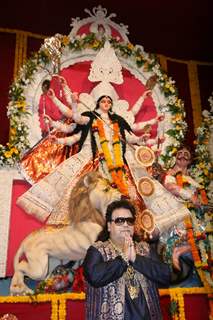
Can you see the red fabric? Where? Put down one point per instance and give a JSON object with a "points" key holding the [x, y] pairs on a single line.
{"points": [[21, 224], [46, 106], [75, 310], [196, 308], [165, 304], [79, 282], [26, 311]]}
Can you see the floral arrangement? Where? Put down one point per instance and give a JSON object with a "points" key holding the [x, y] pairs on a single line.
{"points": [[59, 301], [17, 107], [200, 228], [55, 283], [202, 170], [202, 246], [111, 162], [63, 278]]}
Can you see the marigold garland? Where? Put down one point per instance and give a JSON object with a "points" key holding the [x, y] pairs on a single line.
{"points": [[181, 306], [177, 296], [54, 311], [62, 309], [114, 162], [58, 310], [58, 301], [174, 305], [182, 182], [195, 253]]}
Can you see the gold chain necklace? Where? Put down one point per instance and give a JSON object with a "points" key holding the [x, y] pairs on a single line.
{"points": [[130, 276]]}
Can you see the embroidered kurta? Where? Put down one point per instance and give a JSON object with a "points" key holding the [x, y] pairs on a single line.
{"points": [[107, 293]]}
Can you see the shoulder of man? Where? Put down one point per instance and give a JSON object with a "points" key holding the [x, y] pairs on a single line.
{"points": [[99, 245]]}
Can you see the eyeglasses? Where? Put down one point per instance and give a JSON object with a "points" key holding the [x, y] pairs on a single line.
{"points": [[121, 220]]}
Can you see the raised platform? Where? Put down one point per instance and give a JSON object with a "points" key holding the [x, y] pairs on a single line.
{"points": [[191, 303]]}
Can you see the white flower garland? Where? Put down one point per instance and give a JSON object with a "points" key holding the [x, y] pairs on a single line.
{"points": [[202, 170]]}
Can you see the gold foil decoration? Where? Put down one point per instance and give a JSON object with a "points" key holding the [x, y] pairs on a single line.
{"points": [[53, 48], [145, 156], [145, 221], [146, 186]]}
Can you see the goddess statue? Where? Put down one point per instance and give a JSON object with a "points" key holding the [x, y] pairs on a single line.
{"points": [[106, 135]]}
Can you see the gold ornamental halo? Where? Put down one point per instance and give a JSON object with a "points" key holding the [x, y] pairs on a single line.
{"points": [[146, 186], [145, 220], [145, 156]]}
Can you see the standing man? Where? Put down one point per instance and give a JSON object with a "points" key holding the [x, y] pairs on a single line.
{"points": [[122, 274]]}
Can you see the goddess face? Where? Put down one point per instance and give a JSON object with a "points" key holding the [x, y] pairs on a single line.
{"points": [[105, 104]]}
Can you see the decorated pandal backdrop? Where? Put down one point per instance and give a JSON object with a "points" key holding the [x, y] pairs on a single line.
{"points": [[181, 103]]}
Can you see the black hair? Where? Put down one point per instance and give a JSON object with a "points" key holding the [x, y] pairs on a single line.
{"points": [[45, 85], [118, 205], [87, 129], [104, 234]]}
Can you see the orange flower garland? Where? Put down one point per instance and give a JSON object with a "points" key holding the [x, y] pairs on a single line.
{"points": [[182, 182], [179, 179], [195, 252], [191, 241], [203, 195], [114, 166]]}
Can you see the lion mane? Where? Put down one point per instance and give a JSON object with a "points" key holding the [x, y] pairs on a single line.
{"points": [[80, 207]]}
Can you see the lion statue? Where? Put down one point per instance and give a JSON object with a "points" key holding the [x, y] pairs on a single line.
{"points": [[87, 206]]}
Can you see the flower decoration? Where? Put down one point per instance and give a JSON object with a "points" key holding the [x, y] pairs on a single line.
{"points": [[59, 281], [111, 162], [202, 170], [63, 278], [18, 109]]}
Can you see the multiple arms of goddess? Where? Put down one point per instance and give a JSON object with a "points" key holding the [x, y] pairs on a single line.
{"points": [[66, 128], [145, 139], [72, 100], [67, 112], [77, 117]]}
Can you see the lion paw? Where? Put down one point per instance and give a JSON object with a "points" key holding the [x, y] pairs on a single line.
{"points": [[20, 289]]}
